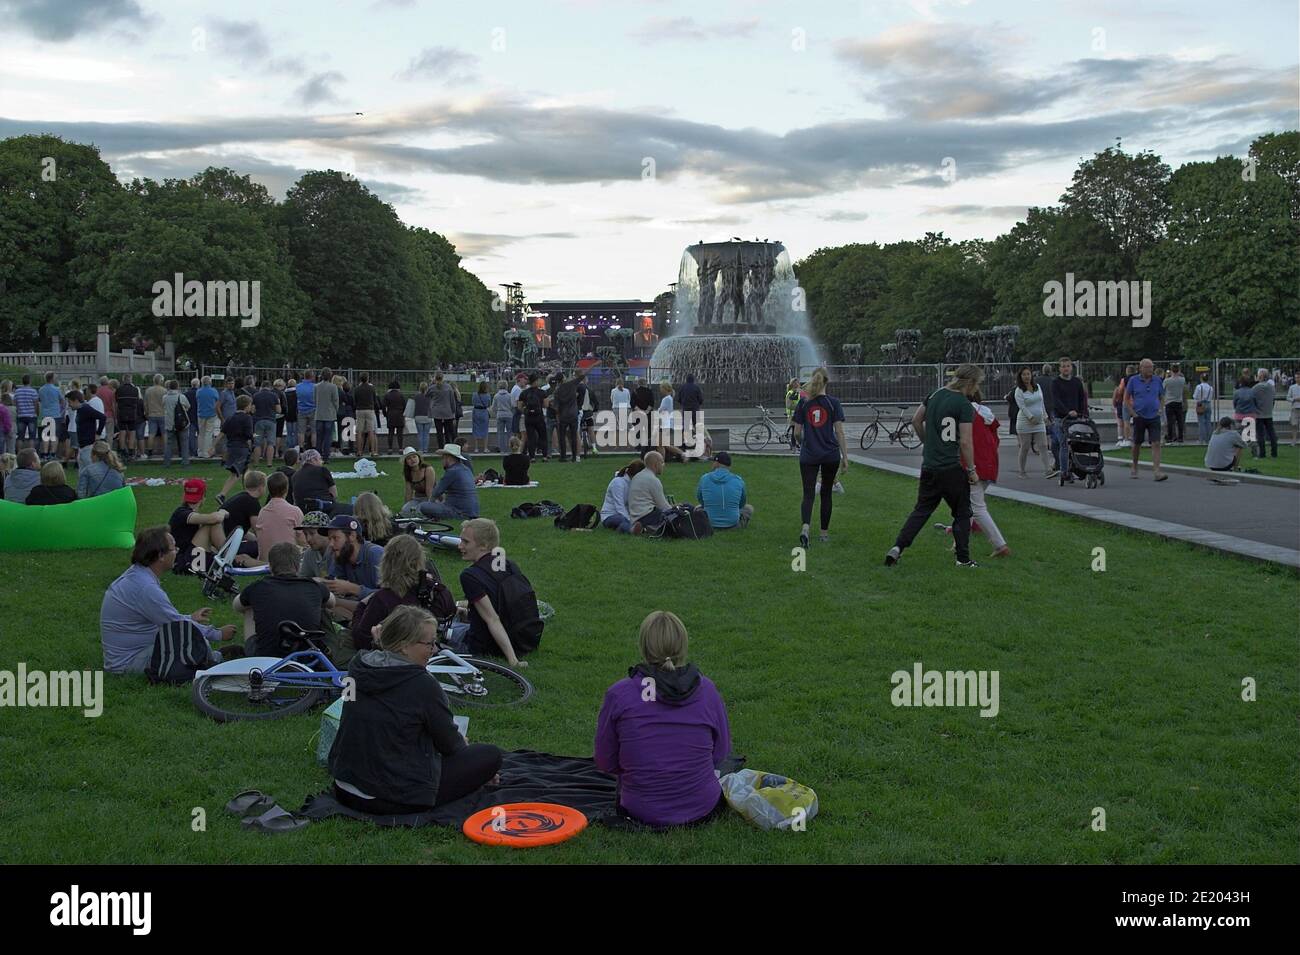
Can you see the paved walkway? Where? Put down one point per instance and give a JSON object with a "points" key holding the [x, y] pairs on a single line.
{"points": [[1252, 520]]}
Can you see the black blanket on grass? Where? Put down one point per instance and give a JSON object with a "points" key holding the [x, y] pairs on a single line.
{"points": [[525, 777]]}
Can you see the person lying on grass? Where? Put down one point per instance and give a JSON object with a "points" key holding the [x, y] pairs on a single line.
{"points": [[397, 750], [480, 629], [663, 731]]}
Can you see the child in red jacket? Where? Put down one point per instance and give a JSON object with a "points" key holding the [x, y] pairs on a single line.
{"points": [[984, 436]]}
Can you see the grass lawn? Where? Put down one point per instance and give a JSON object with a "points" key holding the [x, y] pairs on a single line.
{"points": [[1286, 464], [1119, 690]]}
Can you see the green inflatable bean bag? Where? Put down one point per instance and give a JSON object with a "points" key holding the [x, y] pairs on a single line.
{"points": [[97, 523]]}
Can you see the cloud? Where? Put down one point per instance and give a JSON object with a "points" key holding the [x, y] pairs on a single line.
{"points": [[444, 63], [61, 20], [843, 215], [277, 177], [247, 43], [667, 29], [319, 88], [485, 245], [977, 211]]}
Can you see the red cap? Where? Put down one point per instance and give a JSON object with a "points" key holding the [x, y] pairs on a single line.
{"points": [[195, 489]]}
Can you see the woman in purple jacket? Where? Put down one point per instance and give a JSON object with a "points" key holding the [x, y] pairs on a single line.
{"points": [[663, 731]]}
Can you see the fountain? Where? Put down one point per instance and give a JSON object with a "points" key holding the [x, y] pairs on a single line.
{"points": [[740, 316]]}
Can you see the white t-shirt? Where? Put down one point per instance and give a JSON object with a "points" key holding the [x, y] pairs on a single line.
{"points": [[96, 403], [666, 406], [1293, 393], [515, 392], [620, 398], [1203, 392]]}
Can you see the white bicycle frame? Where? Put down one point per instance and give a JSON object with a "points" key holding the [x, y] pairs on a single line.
{"points": [[223, 561]]}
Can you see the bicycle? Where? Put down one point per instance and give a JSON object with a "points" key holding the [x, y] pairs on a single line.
{"points": [[904, 434], [267, 688], [760, 434]]}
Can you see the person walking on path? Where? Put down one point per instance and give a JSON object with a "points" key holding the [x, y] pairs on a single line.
{"points": [[1067, 399], [819, 427], [1031, 421], [1145, 395], [944, 422]]}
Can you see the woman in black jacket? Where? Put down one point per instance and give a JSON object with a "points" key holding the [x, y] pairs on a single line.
{"points": [[397, 750]]}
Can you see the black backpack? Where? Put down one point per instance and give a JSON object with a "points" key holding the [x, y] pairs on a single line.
{"points": [[180, 417], [516, 604], [490, 476], [579, 517], [542, 509], [688, 522], [179, 651]]}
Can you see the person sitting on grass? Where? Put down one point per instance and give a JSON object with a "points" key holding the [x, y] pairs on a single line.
{"points": [[195, 533], [53, 488], [401, 570], [102, 474], [515, 464], [8, 464], [397, 750], [238, 432], [722, 492], [26, 476], [313, 485], [663, 732], [135, 607], [613, 512], [481, 629], [646, 502], [455, 495], [376, 519], [419, 478], [241, 510], [283, 596], [1226, 445], [277, 522], [290, 471], [353, 566]]}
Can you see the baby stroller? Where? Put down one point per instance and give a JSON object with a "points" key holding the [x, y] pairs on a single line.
{"points": [[1083, 452]]}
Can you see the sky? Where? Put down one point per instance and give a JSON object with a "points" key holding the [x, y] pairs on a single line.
{"points": [[577, 146]]}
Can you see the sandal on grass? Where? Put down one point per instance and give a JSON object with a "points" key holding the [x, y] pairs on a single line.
{"points": [[251, 802], [275, 820]]}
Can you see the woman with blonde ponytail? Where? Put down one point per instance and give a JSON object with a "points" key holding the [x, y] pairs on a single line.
{"points": [[663, 731], [819, 429], [102, 474]]}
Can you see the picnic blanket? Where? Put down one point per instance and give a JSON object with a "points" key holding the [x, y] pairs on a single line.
{"points": [[526, 776]]}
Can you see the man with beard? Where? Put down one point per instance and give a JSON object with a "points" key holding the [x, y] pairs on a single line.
{"points": [[353, 565]]}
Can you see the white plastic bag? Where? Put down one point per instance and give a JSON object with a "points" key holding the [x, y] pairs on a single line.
{"points": [[769, 801]]}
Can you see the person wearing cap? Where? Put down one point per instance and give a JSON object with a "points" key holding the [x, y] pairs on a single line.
{"points": [[135, 607], [353, 564], [313, 485], [193, 531], [454, 496], [722, 492], [314, 531]]}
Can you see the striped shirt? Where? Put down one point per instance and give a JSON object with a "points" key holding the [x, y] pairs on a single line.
{"points": [[25, 398]]}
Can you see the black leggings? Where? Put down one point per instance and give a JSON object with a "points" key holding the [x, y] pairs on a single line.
{"points": [[471, 768], [809, 472], [535, 427]]}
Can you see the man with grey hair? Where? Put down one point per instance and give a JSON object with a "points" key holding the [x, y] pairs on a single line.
{"points": [[1145, 396], [1265, 395]]}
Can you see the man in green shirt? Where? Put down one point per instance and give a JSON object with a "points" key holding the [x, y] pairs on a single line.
{"points": [[947, 464]]}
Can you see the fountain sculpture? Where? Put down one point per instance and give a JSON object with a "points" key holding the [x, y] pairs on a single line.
{"points": [[740, 316]]}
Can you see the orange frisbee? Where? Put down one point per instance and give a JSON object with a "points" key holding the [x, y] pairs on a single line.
{"points": [[524, 824]]}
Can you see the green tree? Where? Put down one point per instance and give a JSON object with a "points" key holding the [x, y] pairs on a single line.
{"points": [[1280, 154], [46, 188], [1227, 275], [369, 304], [1128, 195]]}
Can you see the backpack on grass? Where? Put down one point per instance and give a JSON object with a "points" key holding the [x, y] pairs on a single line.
{"points": [[688, 522], [582, 517], [179, 651], [515, 602], [540, 509]]}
